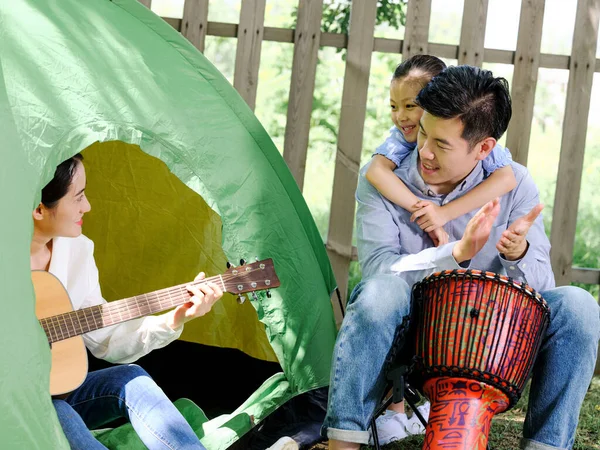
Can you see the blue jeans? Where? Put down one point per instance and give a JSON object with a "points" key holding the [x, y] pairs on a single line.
{"points": [[124, 391], [561, 375]]}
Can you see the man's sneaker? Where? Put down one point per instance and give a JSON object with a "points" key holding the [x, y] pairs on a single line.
{"points": [[391, 427], [284, 443], [414, 425]]}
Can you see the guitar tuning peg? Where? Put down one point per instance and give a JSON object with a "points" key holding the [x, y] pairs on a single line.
{"points": [[241, 299], [254, 297], [268, 292], [229, 265], [242, 262]]}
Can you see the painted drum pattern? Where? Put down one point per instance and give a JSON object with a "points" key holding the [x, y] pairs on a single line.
{"points": [[477, 337]]}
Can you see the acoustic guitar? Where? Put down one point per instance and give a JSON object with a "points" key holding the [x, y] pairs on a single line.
{"points": [[64, 326]]}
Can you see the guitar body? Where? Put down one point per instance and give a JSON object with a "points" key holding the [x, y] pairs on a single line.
{"points": [[69, 356]]}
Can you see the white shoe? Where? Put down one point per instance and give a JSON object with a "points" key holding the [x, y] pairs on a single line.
{"points": [[284, 443], [414, 425], [390, 427]]}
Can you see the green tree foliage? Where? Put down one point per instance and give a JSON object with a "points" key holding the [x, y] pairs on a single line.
{"points": [[336, 14]]}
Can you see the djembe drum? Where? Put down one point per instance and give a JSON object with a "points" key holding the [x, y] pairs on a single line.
{"points": [[478, 334]]}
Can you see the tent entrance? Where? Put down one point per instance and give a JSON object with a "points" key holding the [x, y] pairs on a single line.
{"points": [[152, 231]]}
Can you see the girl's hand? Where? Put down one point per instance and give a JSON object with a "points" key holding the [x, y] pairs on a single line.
{"points": [[429, 216], [439, 236]]}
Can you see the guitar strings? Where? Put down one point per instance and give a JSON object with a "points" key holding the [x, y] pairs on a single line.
{"points": [[107, 313], [154, 297], [176, 295], [157, 295]]}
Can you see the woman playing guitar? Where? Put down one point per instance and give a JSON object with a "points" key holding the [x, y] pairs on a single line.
{"points": [[59, 247]]}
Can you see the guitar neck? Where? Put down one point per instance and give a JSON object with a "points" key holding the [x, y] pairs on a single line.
{"points": [[75, 323]]}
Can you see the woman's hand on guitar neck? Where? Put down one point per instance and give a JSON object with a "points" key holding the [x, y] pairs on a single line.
{"points": [[203, 298]]}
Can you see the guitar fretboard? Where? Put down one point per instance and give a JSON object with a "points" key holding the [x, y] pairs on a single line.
{"points": [[75, 323]]}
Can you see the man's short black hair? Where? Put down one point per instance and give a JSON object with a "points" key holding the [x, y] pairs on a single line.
{"points": [[473, 95]]}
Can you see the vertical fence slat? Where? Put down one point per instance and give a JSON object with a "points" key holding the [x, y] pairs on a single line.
{"points": [[416, 34], [249, 44], [527, 63], [350, 138], [146, 3], [570, 168], [304, 69], [195, 22], [472, 32]]}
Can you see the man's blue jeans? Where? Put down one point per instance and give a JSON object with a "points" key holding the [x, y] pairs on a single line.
{"points": [[124, 391], [561, 375]]}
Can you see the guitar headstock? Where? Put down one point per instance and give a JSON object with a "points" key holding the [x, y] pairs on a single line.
{"points": [[251, 277]]}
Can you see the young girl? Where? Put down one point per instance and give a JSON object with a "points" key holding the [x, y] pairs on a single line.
{"points": [[408, 79], [123, 390]]}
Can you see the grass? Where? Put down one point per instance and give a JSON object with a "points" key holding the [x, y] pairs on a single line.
{"points": [[506, 428]]}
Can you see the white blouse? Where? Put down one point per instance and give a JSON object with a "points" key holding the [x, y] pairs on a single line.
{"points": [[74, 265]]}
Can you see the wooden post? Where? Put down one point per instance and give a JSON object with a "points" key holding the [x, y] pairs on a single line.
{"points": [[304, 69], [570, 168], [249, 43], [416, 35], [527, 62], [195, 22], [472, 32], [350, 138]]}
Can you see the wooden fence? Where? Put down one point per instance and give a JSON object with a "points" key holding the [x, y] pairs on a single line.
{"points": [[360, 43]]}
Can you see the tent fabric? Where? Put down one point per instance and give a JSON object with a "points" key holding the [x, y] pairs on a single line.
{"points": [[166, 233], [83, 73], [217, 433]]}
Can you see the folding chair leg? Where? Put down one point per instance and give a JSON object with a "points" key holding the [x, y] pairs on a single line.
{"points": [[412, 397], [396, 376], [374, 431]]}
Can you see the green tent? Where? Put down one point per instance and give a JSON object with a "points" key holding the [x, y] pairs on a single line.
{"points": [[181, 177]]}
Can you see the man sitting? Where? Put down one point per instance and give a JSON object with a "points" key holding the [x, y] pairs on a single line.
{"points": [[466, 111]]}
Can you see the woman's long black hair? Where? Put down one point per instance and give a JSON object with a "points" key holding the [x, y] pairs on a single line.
{"points": [[58, 187]]}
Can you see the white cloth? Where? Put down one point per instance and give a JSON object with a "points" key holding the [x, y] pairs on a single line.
{"points": [[74, 265], [285, 443], [394, 426]]}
